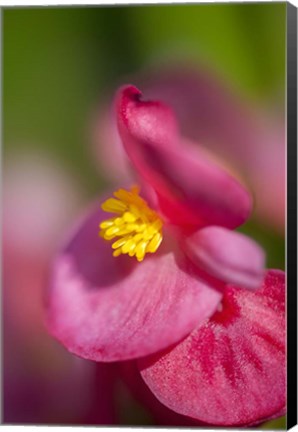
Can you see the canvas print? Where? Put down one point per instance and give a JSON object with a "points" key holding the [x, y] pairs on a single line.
{"points": [[144, 215]]}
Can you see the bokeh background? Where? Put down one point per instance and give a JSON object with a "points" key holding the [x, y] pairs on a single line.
{"points": [[61, 67]]}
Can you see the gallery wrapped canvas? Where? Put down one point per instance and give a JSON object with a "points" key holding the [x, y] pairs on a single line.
{"points": [[144, 215]]}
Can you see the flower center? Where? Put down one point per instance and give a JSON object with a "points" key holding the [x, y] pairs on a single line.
{"points": [[137, 227]]}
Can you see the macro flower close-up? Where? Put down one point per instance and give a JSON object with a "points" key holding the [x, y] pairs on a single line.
{"points": [[167, 263], [144, 215]]}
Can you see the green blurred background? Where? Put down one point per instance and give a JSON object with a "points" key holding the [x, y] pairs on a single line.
{"points": [[59, 63]]}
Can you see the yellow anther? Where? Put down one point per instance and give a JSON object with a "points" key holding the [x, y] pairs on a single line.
{"points": [[137, 228], [149, 232], [128, 246], [154, 243], [110, 232], [129, 217], [117, 252], [131, 227], [137, 238], [117, 244], [135, 210], [118, 221], [106, 224], [113, 205], [141, 250]]}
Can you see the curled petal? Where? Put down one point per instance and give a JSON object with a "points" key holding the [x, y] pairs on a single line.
{"points": [[104, 308], [231, 370], [227, 255], [191, 189], [151, 121]]}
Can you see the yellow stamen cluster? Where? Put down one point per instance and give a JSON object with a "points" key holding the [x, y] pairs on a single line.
{"points": [[137, 228]]}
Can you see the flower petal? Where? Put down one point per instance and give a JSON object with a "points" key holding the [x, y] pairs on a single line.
{"points": [[104, 308], [130, 375], [192, 190], [227, 255], [152, 121], [231, 370], [240, 133]]}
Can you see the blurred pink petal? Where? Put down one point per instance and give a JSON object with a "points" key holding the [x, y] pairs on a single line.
{"points": [[107, 309], [38, 197], [42, 382], [267, 171], [230, 256], [243, 134], [110, 157], [224, 372], [189, 186]]}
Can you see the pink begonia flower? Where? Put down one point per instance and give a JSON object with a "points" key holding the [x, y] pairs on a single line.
{"points": [[108, 309], [41, 382], [174, 258]]}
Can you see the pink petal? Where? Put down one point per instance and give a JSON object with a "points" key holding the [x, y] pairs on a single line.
{"points": [[191, 189], [242, 134], [231, 370], [130, 376], [208, 109], [104, 308], [152, 121], [227, 255]]}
